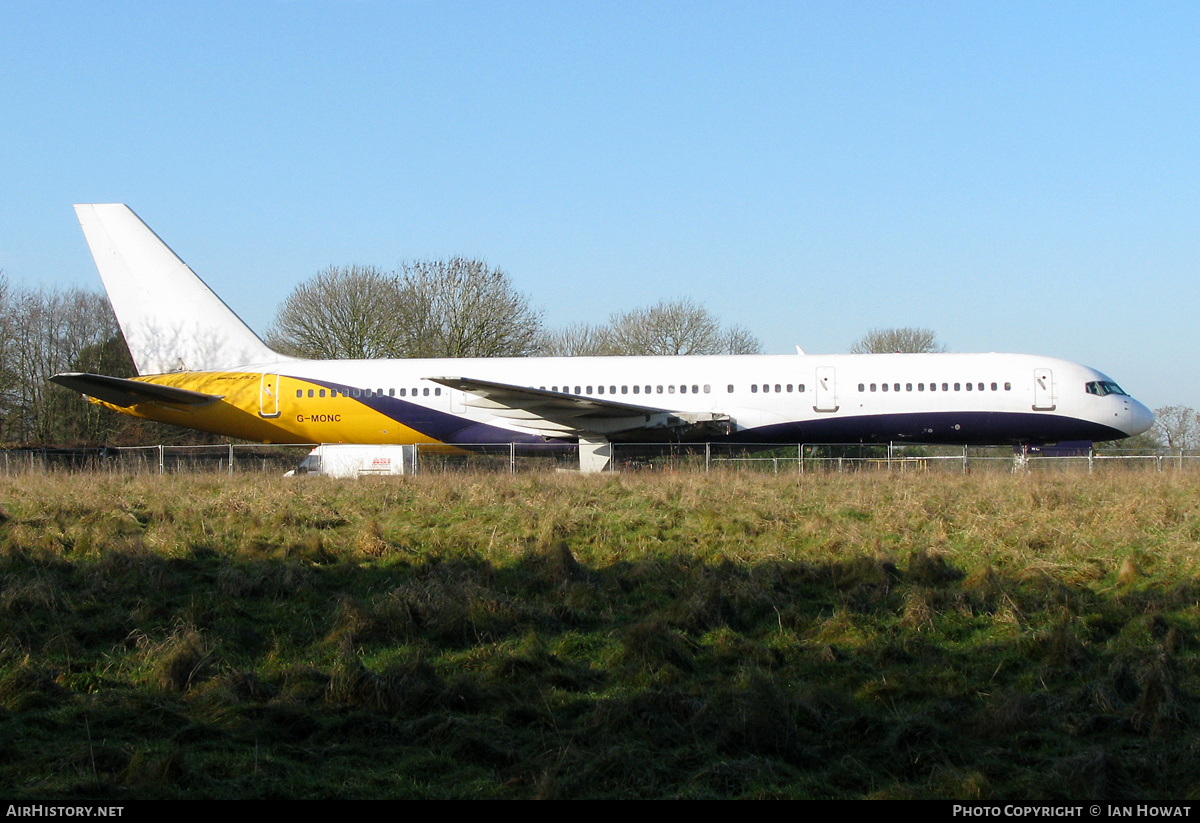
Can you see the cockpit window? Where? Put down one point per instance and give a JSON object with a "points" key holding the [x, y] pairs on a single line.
{"points": [[1102, 387]]}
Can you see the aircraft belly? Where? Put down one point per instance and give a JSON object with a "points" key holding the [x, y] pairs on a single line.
{"points": [[965, 427]]}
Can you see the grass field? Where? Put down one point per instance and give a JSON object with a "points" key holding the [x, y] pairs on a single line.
{"points": [[844, 636]]}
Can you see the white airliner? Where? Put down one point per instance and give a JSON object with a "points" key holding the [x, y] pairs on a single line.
{"points": [[201, 367]]}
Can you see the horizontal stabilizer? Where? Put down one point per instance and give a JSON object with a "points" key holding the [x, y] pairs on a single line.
{"points": [[122, 392]]}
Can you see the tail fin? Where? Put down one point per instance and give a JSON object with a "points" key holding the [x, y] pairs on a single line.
{"points": [[171, 320]]}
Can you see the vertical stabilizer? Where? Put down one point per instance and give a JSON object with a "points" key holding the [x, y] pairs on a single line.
{"points": [[171, 320]]}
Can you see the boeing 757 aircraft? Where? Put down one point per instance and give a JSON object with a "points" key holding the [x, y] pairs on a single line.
{"points": [[201, 367]]}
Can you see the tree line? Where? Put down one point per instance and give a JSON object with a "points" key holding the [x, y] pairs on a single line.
{"points": [[465, 308], [459, 307]]}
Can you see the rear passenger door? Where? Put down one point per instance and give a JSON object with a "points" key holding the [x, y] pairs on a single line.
{"points": [[826, 390]]}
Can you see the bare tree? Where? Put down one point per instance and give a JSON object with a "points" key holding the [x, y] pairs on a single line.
{"points": [[46, 331], [739, 340], [577, 340], [342, 313], [1177, 427], [445, 308], [887, 341], [669, 327], [465, 308]]}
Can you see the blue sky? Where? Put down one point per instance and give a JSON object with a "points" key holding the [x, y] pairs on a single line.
{"points": [[1016, 176]]}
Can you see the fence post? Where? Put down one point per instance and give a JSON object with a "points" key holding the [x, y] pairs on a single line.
{"points": [[160, 458], [707, 456], [1091, 452], [512, 457], [800, 458], [231, 458]]}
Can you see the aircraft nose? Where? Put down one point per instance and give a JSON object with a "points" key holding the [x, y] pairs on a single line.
{"points": [[1140, 418]]}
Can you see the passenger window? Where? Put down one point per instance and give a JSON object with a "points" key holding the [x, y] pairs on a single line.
{"points": [[993, 387], [1008, 386], [635, 389], [322, 393], [908, 386], [729, 388], [425, 392], [872, 387], [945, 387], [885, 386], [708, 388], [958, 387], [920, 387], [754, 388], [671, 389], [311, 392], [599, 390], [968, 387], [299, 392], [862, 387], [695, 389]]}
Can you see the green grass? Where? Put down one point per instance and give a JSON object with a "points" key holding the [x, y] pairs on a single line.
{"points": [[616, 636]]}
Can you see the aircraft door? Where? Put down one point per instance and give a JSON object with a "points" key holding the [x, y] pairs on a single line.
{"points": [[826, 390], [268, 396], [1043, 390]]}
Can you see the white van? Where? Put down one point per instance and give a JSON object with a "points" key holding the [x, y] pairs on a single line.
{"points": [[354, 460]]}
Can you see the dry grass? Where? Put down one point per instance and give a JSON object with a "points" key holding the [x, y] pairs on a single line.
{"points": [[689, 635]]}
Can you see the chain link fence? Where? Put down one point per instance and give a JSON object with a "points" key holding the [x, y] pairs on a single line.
{"points": [[519, 458]]}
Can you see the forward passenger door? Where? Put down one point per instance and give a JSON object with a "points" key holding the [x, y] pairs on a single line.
{"points": [[1043, 390]]}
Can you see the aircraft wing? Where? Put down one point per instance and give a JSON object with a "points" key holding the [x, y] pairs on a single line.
{"points": [[122, 392], [550, 411]]}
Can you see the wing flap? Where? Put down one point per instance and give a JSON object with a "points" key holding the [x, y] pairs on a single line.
{"points": [[549, 411]]}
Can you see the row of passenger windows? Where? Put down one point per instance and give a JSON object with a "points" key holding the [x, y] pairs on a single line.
{"points": [[934, 386], [695, 388], [683, 388], [426, 392]]}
